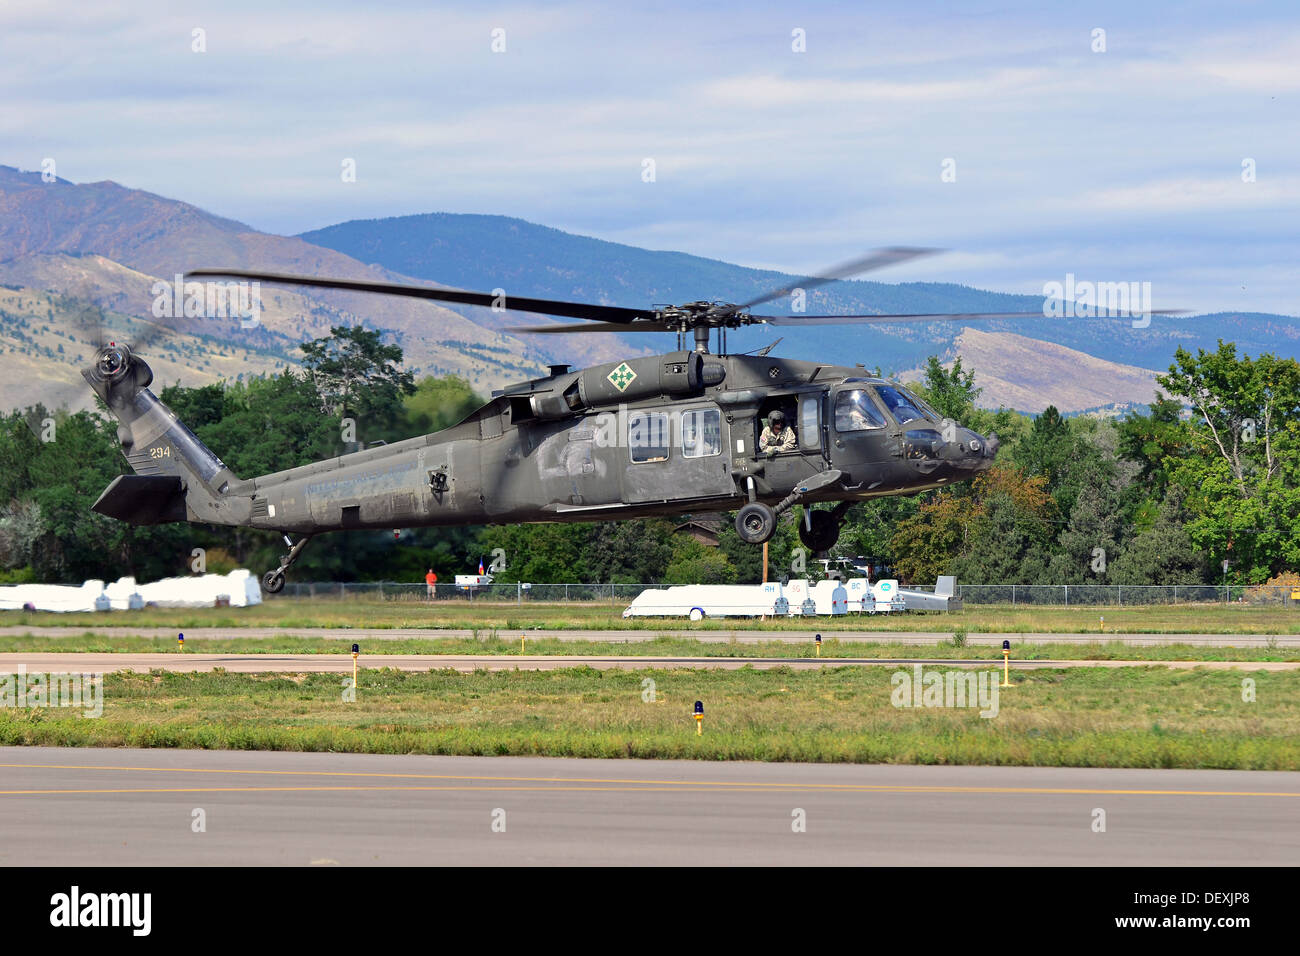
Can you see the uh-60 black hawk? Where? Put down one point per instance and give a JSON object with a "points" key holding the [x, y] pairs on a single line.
{"points": [[654, 435]]}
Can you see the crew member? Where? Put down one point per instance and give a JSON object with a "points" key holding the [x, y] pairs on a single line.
{"points": [[430, 582], [777, 436]]}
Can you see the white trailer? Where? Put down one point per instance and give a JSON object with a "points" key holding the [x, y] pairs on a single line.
{"points": [[830, 598], [698, 601], [883, 597], [888, 598], [238, 587]]}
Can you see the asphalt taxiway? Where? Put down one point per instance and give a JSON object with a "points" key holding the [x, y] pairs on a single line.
{"points": [[650, 634], [136, 807]]}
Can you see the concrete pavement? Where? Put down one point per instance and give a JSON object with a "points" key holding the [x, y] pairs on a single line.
{"points": [[135, 807], [632, 637]]}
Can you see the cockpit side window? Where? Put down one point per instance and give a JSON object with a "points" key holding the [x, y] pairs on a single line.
{"points": [[925, 408], [855, 412], [900, 403]]}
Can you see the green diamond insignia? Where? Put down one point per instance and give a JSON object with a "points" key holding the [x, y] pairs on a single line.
{"points": [[621, 377]]}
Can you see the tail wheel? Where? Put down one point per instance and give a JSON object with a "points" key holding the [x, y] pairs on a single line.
{"points": [[755, 523], [273, 582]]}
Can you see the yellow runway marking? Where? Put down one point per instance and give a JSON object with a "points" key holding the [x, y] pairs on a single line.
{"points": [[789, 788], [613, 785]]}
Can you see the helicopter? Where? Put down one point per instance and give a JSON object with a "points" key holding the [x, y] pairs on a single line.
{"points": [[648, 435]]}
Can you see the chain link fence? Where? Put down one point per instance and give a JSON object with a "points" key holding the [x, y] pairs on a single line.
{"points": [[621, 595]]}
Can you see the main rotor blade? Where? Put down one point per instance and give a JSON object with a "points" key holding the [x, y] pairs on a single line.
{"points": [[877, 259], [923, 317], [647, 325], [573, 310]]}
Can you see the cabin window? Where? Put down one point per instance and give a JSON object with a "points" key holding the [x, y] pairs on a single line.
{"points": [[810, 430], [647, 436], [855, 412], [701, 433]]}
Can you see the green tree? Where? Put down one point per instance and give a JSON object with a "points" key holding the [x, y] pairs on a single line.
{"points": [[951, 392], [1047, 447], [1089, 542], [630, 552], [1149, 439], [539, 553], [438, 403], [357, 374], [1241, 471], [696, 563], [1162, 553]]}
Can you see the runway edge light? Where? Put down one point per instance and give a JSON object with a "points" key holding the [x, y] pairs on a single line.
{"points": [[1006, 663], [180, 641], [356, 650], [699, 717], [819, 645]]}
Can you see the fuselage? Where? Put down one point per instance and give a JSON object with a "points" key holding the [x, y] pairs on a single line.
{"points": [[663, 434]]}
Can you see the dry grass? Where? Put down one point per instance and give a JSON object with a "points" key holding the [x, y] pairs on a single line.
{"points": [[1135, 717]]}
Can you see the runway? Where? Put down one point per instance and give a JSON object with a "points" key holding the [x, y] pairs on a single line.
{"points": [[638, 636], [100, 663], [137, 807]]}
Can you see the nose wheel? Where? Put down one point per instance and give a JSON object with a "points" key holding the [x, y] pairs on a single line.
{"points": [[273, 580]]}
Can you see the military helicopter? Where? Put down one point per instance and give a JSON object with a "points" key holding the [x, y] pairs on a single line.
{"points": [[652, 435]]}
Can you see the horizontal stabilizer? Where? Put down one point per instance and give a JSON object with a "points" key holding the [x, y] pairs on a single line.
{"points": [[143, 499]]}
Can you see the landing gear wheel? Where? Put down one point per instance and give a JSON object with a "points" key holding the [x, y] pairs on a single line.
{"points": [[823, 534], [755, 523], [273, 580], [697, 614]]}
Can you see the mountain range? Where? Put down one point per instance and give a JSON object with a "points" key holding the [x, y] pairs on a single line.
{"points": [[62, 244]]}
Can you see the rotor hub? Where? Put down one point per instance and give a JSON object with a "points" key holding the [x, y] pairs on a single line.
{"points": [[112, 362]]}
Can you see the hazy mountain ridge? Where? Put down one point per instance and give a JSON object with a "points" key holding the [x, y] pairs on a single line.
{"points": [[485, 252], [1014, 371], [108, 243], [114, 244]]}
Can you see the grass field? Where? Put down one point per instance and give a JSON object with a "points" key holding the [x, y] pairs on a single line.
{"points": [[675, 646], [1136, 717], [487, 617]]}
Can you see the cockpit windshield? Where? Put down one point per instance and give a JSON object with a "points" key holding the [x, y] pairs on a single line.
{"points": [[856, 412], [903, 405]]}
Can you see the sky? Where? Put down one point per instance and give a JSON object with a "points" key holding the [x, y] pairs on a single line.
{"points": [[1013, 134]]}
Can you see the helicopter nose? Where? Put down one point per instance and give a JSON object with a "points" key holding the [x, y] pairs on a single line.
{"points": [[984, 450]]}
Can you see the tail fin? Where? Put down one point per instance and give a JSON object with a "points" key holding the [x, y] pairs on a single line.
{"points": [[176, 477]]}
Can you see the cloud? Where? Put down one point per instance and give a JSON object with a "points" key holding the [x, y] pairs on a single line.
{"points": [[763, 155]]}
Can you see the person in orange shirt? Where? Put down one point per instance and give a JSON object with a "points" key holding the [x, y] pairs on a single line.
{"points": [[430, 580]]}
